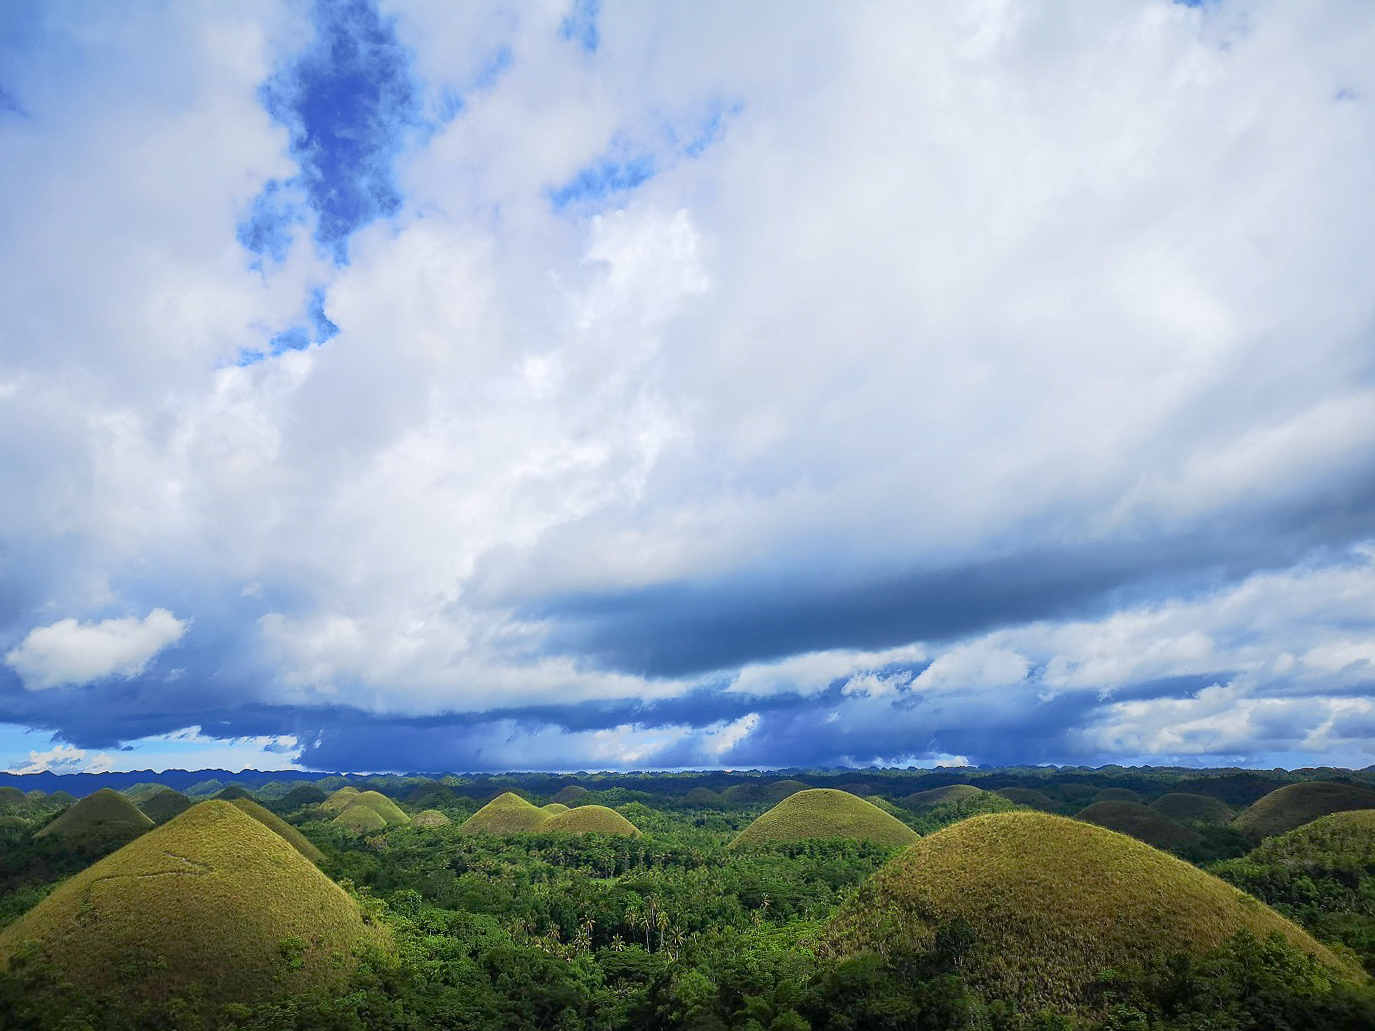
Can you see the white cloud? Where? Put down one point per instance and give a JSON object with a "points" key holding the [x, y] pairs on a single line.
{"points": [[71, 653], [64, 759]]}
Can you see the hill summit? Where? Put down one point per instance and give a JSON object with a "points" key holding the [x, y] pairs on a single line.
{"points": [[1051, 902], [1296, 804], [221, 907], [590, 819], [104, 813], [508, 813], [825, 813]]}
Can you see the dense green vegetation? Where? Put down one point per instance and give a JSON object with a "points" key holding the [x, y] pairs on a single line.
{"points": [[998, 918]]}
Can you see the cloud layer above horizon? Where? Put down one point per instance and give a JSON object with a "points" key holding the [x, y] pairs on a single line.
{"points": [[403, 386]]}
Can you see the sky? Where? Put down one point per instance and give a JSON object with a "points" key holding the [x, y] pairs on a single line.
{"points": [[560, 385]]}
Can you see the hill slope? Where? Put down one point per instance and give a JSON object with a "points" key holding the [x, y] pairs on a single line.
{"points": [[1346, 839], [825, 813], [104, 813], [949, 793], [1051, 901], [280, 827], [208, 898], [506, 814], [1140, 822], [164, 804], [1187, 808], [590, 819], [1296, 804]]}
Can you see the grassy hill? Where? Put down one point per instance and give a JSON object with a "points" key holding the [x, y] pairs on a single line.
{"points": [[949, 793], [743, 794], [781, 789], [360, 818], [338, 800], [702, 796], [301, 794], [1140, 822], [280, 827], [206, 901], [506, 814], [825, 813], [1116, 795], [430, 818], [590, 819], [1187, 808], [1296, 804], [383, 806], [554, 808], [164, 804], [231, 792], [12, 797], [1339, 839], [1030, 797], [1051, 902], [106, 813], [571, 794]]}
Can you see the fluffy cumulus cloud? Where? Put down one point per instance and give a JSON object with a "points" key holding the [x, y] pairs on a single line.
{"points": [[602, 384], [68, 652]]}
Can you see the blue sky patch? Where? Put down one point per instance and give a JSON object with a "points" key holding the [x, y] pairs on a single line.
{"points": [[270, 226], [349, 102], [602, 180], [580, 25]]}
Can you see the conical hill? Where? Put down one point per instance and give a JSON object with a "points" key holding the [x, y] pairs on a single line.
{"points": [[936, 796], [105, 813], [1030, 797], [590, 819], [1141, 822], [220, 906], [360, 818], [825, 813], [554, 808], [571, 794], [1345, 840], [508, 813], [164, 804], [1051, 902], [338, 800], [280, 827], [383, 806], [430, 818], [1187, 808], [1296, 804]]}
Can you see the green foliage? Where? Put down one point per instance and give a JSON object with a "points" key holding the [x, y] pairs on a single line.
{"points": [[825, 813], [164, 804]]}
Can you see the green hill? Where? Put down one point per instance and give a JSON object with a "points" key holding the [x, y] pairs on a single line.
{"points": [[1140, 822], [360, 818], [165, 804], [301, 794], [340, 799], [506, 814], [383, 806], [232, 791], [12, 797], [430, 818], [1187, 808], [781, 789], [825, 813], [61, 798], [590, 819], [571, 794], [702, 796], [106, 813], [554, 808], [1116, 795], [208, 901], [280, 827], [1340, 839], [1296, 804], [1030, 797], [743, 794], [949, 793], [1051, 902]]}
